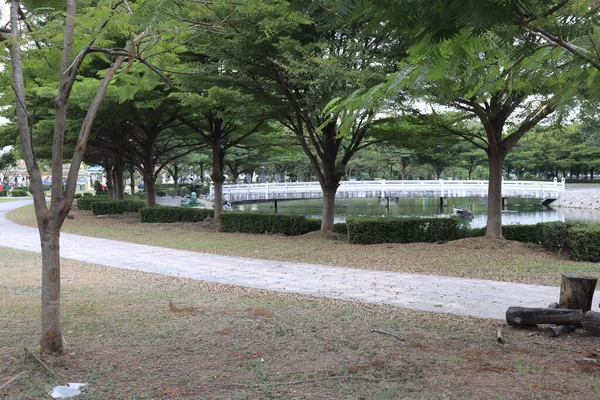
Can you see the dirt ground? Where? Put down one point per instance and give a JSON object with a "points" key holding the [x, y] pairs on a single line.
{"points": [[133, 335]]}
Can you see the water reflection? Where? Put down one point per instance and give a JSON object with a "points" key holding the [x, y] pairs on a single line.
{"points": [[517, 211]]}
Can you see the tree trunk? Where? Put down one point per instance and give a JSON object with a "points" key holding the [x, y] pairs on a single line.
{"points": [[176, 177], [51, 331], [577, 292], [328, 208], [522, 316], [150, 187], [494, 216], [132, 180], [110, 187], [118, 181], [217, 176]]}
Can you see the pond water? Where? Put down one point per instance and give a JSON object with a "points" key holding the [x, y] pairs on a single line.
{"points": [[517, 211]]}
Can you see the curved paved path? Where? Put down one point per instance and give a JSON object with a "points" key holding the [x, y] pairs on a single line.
{"points": [[469, 297]]}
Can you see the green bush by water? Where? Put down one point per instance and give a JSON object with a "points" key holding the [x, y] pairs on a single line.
{"points": [[174, 214], [584, 243], [370, 230], [266, 223]]}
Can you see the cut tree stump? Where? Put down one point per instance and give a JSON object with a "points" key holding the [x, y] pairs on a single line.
{"points": [[591, 321], [523, 316], [577, 292]]}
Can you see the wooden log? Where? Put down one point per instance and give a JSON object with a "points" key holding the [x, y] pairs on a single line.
{"points": [[591, 321], [577, 292], [523, 316]]}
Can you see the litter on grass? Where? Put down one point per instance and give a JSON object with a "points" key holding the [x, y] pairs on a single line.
{"points": [[65, 392]]}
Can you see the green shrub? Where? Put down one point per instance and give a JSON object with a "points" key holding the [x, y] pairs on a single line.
{"points": [[18, 193], [77, 196], [3, 193], [141, 195], [341, 227], [117, 206], [97, 186], [174, 214], [314, 224], [87, 194], [161, 193], [584, 243], [523, 233], [85, 203], [264, 223], [474, 232], [554, 236], [368, 230]]}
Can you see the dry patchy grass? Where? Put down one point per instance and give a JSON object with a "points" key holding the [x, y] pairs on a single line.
{"points": [[133, 335], [472, 258]]}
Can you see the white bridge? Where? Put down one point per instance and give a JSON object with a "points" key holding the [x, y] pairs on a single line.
{"points": [[547, 190]]}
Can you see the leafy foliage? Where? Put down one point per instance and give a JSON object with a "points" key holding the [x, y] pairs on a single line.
{"points": [[265, 223], [116, 206], [368, 230], [160, 214]]}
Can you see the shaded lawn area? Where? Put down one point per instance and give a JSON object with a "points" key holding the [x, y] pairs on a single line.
{"points": [[126, 341]]}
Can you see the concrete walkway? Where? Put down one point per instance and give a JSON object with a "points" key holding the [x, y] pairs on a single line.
{"points": [[468, 297]]}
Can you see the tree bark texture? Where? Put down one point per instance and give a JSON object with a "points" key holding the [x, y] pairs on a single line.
{"points": [[150, 188], [328, 208], [577, 292], [51, 330], [522, 316], [494, 221], [217, 176]]}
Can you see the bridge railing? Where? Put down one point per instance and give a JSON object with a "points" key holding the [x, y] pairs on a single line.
{"points": [[392, 188]]}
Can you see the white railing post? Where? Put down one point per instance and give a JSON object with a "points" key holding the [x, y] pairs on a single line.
{"points": [[382, 188], [267, 191], [441, 181]]}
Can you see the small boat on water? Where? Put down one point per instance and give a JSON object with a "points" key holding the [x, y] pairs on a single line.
{"points": [[462, 212]]}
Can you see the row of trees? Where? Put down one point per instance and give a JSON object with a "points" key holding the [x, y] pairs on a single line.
{"points": [[145, 83]]}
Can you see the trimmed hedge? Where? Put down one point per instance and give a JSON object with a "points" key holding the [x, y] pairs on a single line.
{"points": [[584, 243], [265, 223], [117, 206], [3, 193], [85, 203], [18, 193], [522, 233], [368, 230], [174, 214]]}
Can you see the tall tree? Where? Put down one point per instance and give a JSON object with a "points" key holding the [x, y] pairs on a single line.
{"points": [[66, 67], [296, 69]]}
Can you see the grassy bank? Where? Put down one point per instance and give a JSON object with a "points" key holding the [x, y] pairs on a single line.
{"points": [[226, 342], [472, 258]]}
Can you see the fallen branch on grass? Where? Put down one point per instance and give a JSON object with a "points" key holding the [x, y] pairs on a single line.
{"points": [[499, 337], [593, 361], [11, 380], [43, 364], [387, 333]]}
